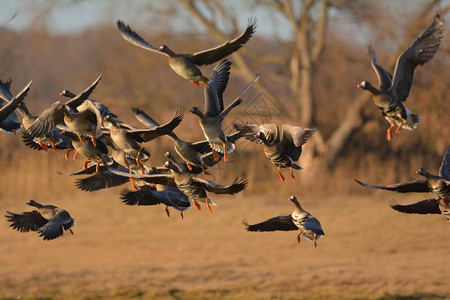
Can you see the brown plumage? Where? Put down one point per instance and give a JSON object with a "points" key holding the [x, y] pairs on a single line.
{"points": [[187, 65]]}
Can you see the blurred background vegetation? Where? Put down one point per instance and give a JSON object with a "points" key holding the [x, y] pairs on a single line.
{"points": [[311, 55]]}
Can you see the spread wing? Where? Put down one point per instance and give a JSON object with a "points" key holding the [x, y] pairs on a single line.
{"points": [[6, 110], [420, 52], [427, 206], [216, 86], [213, 55], [416, 186], [269, 130], [384, 77], [164, 179], [47, 120], [293, 137], [444, 170], [27, 221], [152, 133], [78, 99], [102, 180], [282, 223], [132, 37], [237, 186]]}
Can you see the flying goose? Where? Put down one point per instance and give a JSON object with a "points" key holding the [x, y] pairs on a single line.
{"points": [[8, 118], [83, 121], [187, 65], [48, 220], [282, 148], [436, 184], [300, 219], [211, 120], [393, 90], [194, 187], [149, 195]]}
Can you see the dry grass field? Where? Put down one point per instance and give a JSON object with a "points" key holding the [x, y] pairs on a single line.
{"points": [[369, 251]]}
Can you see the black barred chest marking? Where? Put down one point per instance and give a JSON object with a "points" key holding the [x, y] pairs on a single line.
{"points": [[278, 158], [299, 220]]}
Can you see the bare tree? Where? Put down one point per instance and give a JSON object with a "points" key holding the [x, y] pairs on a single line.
{"points": [[309, 22]]}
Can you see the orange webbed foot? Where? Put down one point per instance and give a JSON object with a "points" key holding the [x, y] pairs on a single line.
{"points": [[389, 132], [292, 174], [189, 166], [43, 146], [195, 83], [314, 241], [208, 206], [280, 175], [167, 211]]}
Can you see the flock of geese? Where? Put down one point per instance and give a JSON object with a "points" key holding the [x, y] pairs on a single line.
{"points": [[114, 152]]}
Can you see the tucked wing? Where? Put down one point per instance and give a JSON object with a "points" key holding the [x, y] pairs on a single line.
{"points": [[314, 225], [27, 221], [444, 170], [420, 52], [213, 55], [428, 206], [216, 86], [132, 37], [54, 227], [416, 186], [281, 223]]}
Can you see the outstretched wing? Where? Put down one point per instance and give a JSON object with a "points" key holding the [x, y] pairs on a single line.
{"points": [[427, 206], [416, 186], [282, 223], [237, 186], [132, 37], [444, 170], [27, 221], [420, 52], [210, 56]]}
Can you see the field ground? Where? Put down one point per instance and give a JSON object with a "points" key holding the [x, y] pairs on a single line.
{"points": [[369, 252]]}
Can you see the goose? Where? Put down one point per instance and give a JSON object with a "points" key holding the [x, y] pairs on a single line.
{"points": [[8, 118], [436, 184], [150, 195], [195, 154], [283, 148], [48, 220], [392, 91], [187, 65], [300, 219], [83, 121], [129, 141], [195, 188], [54, 138], [93, 152], [211, 120]]}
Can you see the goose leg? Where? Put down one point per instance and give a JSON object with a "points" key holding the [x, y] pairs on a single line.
{"points": [[81, 139], [93, 141], [85, 163], [133, 184], [181, 214], [389, 132], [189, 166], [138, 163], [53, 146], [197, 206], [400, 126], [208, 206], [292, 174], [215, 155], [298, 236], [225, 157], [75, 155], [280, 175], [43, 146], [70, 229], [167, 211], [205, 81], [66, 155], [314, 241], [97, 167], [195, 83]]}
